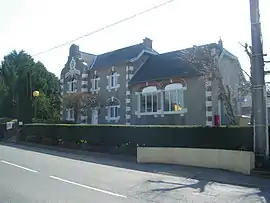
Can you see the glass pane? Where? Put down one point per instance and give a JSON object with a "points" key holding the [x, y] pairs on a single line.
{"points": [[181, 98], [111, 79], [155, 102], [142, 103], [166, 101], [111, 113], [116, 111], [149, 103]]}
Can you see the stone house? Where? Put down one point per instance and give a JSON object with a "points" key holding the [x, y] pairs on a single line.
{"points": [[137, 85]]}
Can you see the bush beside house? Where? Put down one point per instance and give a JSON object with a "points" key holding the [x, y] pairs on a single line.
{"points": [[125, 139]]}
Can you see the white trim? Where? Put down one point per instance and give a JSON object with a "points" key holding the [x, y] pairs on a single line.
{"points": [[208, 83], [84, 82], [141, 53], [130, 76], [128, 101], [208, 103], [84, 89], [84, 75], [62, 93], [209, 113], [128, 108], [127, 92], [61, 80], [94, 61], [208, 93], [84, 117], [126, 85], [128, 116], [112, 119], [209, 123], [93, 88], [161, 113], [73, 72], [131, 68], [95, 91], [68, 116], [128, 123]]}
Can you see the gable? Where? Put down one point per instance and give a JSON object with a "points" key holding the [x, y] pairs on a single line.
{"points": [[164, 66]]}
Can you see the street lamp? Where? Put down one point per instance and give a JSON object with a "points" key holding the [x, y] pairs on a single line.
{"points": [[35, 95]]}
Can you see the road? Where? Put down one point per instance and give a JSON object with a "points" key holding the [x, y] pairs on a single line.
{"points": [[30, 175]]}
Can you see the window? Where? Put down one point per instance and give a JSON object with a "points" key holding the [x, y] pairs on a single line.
{"points": [[113, 80], [113, 112], [174, 97], [168, 101], [95, 83], [113, 105], [70, 114], [72, 85], [149, 100]]}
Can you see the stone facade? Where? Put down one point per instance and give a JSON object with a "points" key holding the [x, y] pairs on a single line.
{"points": [[109, 78]]}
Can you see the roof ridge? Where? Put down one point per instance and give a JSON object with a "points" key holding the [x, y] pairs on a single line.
{"points": [[119, 49]]}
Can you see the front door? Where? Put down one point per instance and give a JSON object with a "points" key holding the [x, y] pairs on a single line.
{"points": [[94, 116]]}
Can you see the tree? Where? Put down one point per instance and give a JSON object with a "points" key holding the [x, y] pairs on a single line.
{"points": [[205, 60], [20, 75], [248, 51], [78, 101]]}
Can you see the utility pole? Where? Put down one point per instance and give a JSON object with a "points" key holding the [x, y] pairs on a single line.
{"points": [[261, 146]]}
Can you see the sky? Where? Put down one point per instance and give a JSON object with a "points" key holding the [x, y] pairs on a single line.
{"points": [[37, 25]]}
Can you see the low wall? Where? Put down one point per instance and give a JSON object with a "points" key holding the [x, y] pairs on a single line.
{"points": [[238, 161]]}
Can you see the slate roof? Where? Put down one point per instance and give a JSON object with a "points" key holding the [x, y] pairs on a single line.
{"points": [[168, 65], [164, 66], [118, 56]]}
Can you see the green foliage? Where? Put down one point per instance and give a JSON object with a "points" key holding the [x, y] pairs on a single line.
{"points": [[115, 136], [19, 77]]}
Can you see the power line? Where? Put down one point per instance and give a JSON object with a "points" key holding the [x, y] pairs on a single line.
{"points": [[106, 27]]}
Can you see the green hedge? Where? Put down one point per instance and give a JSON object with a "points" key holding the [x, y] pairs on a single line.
{"points": [[129, 137]]}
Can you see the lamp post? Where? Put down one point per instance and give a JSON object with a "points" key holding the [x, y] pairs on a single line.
{"points": [[35, 95]]}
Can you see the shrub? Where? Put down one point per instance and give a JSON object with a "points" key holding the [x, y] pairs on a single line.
{"points": [[129, 137]]}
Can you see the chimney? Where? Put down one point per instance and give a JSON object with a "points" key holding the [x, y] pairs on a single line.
{"points": [[220, 43], [147, 42], [73, 50]]}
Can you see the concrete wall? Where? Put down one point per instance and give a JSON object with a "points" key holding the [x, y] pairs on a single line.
{"points": [[238, 161]]}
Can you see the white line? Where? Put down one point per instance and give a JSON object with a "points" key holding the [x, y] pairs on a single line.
{"points": [[88, 187], [27, 169]]}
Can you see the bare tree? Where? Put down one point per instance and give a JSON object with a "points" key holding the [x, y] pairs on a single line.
{"points": [[205, 60], [78, 101], [248, 51]]}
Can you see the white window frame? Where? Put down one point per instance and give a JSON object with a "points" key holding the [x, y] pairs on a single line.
{"points": [[113, 81], [70, 114], [71, 84], [161, 110], [110, 117], [95, 84]]}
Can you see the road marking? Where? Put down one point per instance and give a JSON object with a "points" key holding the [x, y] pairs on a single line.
{"points": [[21, 167], [88, 187]]}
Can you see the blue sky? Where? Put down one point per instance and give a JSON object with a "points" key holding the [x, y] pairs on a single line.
{"points": [[36, 25]]}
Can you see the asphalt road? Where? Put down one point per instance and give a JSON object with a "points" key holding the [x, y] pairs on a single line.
{"points": [[28, 176]]}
